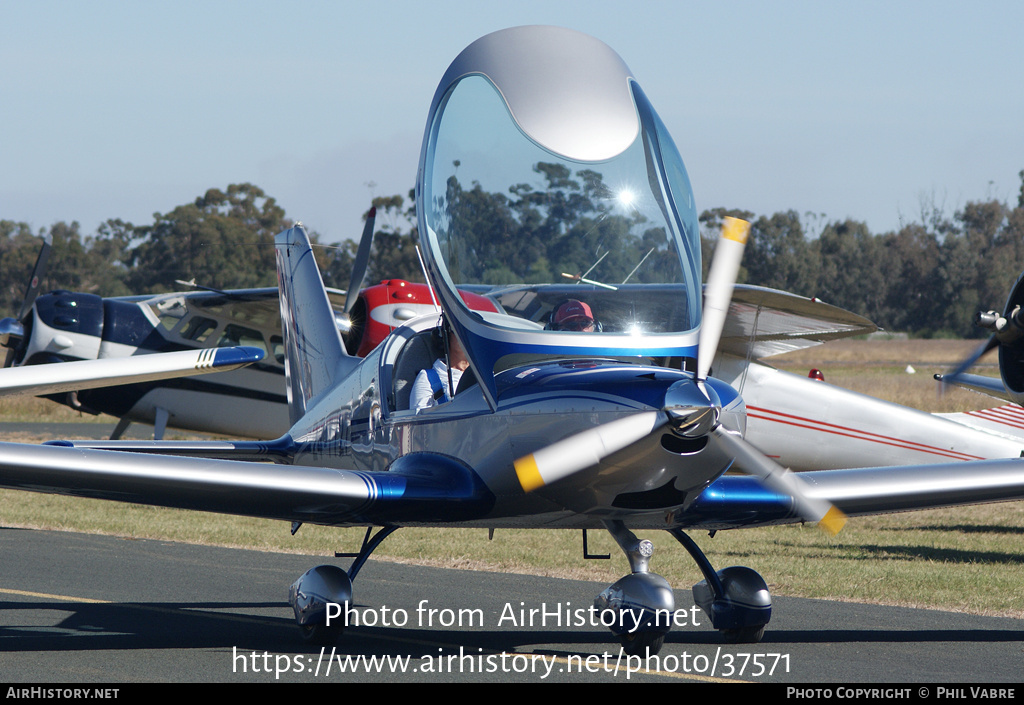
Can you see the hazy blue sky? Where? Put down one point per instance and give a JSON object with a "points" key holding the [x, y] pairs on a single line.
{"points": [[851, 109]]}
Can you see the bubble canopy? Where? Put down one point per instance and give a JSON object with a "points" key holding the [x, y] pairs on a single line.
{"points": [[514, 204]]}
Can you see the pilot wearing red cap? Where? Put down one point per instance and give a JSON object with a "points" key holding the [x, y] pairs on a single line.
{"points": [[573, 315]]}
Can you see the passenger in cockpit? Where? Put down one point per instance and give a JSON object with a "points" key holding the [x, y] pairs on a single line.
{"points": [[573, 315], [433, 385]]}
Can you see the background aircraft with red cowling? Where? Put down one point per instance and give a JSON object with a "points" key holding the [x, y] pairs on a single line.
{"points": [[620, 428]]}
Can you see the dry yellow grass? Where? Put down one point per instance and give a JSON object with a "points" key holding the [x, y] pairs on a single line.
{"points": [[888, 352], [879, 368], [32, 409]]}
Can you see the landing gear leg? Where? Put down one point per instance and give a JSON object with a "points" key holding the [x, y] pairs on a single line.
{"points": [[641, 604], [735, 598], [119, 429], [160, 423], [318, 587]]}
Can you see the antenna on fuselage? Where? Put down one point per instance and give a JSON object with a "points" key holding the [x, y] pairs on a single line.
{"points": [[638, 264]]}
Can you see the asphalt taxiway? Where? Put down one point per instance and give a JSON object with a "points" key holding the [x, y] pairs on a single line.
{"points": [[77, 608]]}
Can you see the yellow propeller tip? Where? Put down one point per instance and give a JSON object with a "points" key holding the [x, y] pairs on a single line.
{"points": [[833, 521], [528, 473], [735, 229]]}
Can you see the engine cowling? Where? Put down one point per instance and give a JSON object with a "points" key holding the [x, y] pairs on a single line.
{"points": [[63, 325], [383, 307]]}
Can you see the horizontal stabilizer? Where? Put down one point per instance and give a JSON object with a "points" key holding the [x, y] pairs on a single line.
{"points": [[108, 372], [993, 386], [281, 450], [1006, 421]]}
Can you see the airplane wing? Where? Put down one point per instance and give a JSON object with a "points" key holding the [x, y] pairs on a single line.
{"points": [[433, 489], [1006, 420], [762, 322], [259, 308], [735, 501], [419, 488], [107, 372]]}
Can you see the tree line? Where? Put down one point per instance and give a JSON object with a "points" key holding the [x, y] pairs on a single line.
{"points": [[927, 279]]}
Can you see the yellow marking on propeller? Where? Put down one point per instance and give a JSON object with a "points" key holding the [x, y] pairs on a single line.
{"points": [[735, 229], [833, 521], [528, 473]]}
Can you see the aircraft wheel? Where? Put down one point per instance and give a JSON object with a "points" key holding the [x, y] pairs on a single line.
{"points": [[320, 634], [746, 635], [641, 644]]}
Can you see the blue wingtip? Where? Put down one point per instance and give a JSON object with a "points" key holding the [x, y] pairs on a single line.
{"points": [[239, 355]]}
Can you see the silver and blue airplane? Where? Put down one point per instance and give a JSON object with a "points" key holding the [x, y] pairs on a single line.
{"points": [[640, 420]]}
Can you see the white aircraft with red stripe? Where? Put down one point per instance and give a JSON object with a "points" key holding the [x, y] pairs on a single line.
{"points": [[810, 425]]}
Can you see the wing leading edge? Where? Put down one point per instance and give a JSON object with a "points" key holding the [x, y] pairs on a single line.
{"points": [[432, 489], [107, 372], [993, 386], [734, 502], [418, 488], [763, 322]]}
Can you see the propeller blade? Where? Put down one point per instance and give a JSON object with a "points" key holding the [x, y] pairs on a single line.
{"points": [[32, 291], [585, 449], [718, 291], [362, 259], [717, 295], [778, 479], [13, 328]]}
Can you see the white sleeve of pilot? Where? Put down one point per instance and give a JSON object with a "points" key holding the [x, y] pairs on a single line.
{"points": [[422, 396]]}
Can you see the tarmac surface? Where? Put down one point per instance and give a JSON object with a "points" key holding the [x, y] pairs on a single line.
{"points": [[77, 608]]}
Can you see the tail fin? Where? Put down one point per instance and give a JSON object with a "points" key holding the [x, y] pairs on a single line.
{"points": [[315, 355]]}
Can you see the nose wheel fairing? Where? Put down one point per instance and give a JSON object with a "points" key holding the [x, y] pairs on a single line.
{"points": [[736, 599], [639, 608]]}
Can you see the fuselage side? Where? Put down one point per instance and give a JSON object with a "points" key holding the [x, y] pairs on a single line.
{"points": [[362, 426]]}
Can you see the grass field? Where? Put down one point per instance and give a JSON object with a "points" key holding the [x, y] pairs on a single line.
{"points": [[967, 559], [879, 368]]}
